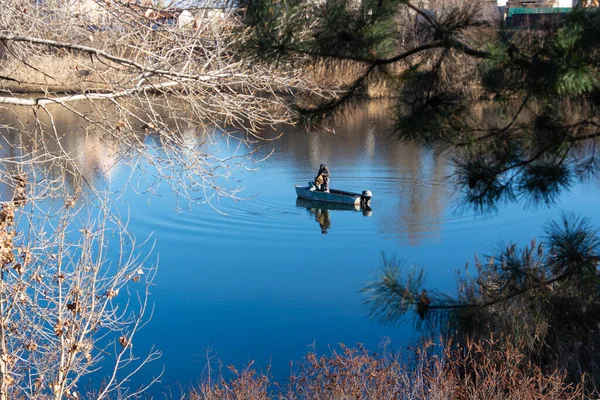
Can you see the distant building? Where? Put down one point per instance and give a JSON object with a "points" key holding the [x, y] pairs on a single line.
{"points": [[541, 3], [535, 13], [101, 12]]}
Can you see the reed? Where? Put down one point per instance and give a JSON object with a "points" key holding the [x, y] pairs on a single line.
{"points": [[494, 368]]}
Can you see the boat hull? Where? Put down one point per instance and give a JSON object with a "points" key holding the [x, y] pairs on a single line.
{"points": [[333, 196]]}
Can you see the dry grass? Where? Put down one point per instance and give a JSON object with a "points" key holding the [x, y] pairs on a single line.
{"points": [[490, 369], [458, 74], [74, 73], [71, 73], [380, 83]]}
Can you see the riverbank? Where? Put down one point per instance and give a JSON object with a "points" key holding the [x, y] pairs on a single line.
{"points": [[73, 73]]}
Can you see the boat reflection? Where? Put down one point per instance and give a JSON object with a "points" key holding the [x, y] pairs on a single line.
{"points": [[321, 210]]}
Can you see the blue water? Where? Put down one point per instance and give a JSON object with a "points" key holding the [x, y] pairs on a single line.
{"points": [[261, 279], [266, 283]]}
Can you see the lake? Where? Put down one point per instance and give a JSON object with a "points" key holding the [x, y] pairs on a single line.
{"points": [[269, 277]]}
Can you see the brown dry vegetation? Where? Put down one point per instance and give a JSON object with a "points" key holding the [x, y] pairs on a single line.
{"points": [[73, 73], [69, 72], [343, 73], [488, 369]]}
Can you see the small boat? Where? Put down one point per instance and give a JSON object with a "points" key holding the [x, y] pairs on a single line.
{"points": [[310, 192]]}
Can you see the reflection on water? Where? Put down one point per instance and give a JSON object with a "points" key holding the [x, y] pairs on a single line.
{"points": [[362, 152], [74, 156], [322, 217], [321, 211], [245, 282], [67, 160]]}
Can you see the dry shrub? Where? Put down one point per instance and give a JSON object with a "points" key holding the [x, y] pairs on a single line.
{"points": [[488, 369], [498, 369], [248, 384], [349, 374]]}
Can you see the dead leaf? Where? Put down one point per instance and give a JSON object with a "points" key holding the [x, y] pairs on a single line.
{"points": [[19, 268], [59, 329]]}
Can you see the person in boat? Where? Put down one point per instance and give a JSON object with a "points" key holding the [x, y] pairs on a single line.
{"points": [[322, 179]]}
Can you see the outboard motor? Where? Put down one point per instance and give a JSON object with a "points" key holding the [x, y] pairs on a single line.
{"points": [[365, 198]]}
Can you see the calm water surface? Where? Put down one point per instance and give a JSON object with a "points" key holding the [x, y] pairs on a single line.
{"points": [[268, 278], [274, 276]]}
